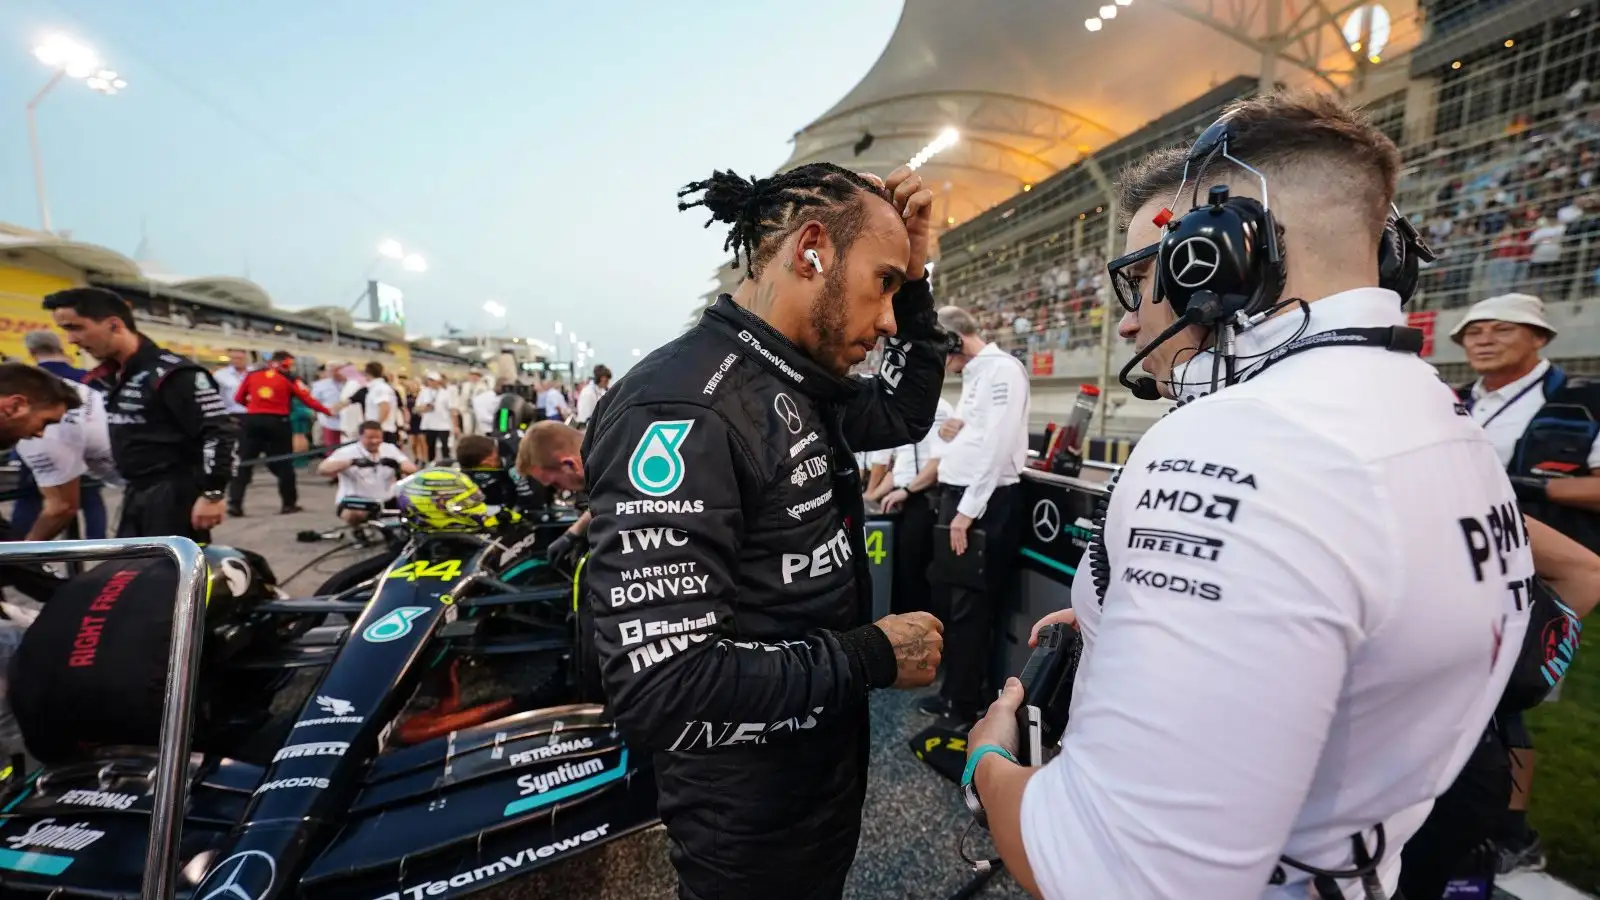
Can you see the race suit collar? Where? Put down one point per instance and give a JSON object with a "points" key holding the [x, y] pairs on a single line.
{"points": [[1368, 307], [110, 372], [762, 343]]}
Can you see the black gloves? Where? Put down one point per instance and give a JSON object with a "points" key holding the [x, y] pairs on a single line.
{"points": [[1530, 488], [391, 463], [568, 546]]}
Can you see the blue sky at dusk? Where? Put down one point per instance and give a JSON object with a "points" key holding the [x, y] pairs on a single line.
{"points": [[530, 150]]}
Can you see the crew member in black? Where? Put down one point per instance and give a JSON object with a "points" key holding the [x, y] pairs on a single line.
{"points": [[171, 435], [728, 580]]}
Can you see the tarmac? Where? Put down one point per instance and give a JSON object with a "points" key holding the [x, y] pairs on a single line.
{"points": [[910, 826]]}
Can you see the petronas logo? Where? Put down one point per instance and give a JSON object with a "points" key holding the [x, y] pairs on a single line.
{"points": [[656, 467]]}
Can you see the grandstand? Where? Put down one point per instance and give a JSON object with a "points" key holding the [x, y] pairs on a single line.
{"points": [[201, 317], [1500, 128]]}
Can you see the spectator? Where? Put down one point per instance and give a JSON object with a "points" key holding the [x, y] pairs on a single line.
{"points": [[328, 389], [228, 378], [433, 414], [382, 404], [48, 354], [589, 397]]}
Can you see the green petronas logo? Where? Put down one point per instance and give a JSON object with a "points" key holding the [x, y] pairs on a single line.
{"points": [[656, 467]]}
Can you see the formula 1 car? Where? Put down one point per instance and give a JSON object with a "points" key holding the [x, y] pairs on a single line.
{"points": [[389, 781]]}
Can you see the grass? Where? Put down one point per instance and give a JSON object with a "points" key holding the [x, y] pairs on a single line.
{"points": [[1566, 788]]}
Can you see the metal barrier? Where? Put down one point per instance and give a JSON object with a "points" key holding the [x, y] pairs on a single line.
{"points": [[177, 715]]}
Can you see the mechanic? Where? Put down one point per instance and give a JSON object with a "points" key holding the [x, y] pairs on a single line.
{"points": [[479, 457], [551, 455], [48, 354], [171, 435], [31, 400], [980, 471], [78, 445], [729, 584], [1300, 576], [1543, 425], [267, 394], [367, 472]]}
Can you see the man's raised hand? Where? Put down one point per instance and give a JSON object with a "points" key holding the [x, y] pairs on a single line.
{"points": [[916, 207]]}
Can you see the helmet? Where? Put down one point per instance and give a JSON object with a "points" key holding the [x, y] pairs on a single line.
{"points": [[441, 499]]}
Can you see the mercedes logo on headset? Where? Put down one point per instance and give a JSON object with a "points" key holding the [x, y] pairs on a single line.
{"points": [[1194, 261], [245, 878], [783, 404], [1046, 521]]}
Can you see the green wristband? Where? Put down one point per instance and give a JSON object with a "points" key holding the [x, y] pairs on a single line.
{"points": [[980, 753]]}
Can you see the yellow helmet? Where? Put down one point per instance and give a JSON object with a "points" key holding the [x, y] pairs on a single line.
{"points": [[441, 499]]}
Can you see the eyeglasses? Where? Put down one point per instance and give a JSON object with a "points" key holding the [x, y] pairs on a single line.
{"points": [[1129, 287]]}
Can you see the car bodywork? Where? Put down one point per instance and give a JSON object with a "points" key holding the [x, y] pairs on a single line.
{"points": [[346, 806]]}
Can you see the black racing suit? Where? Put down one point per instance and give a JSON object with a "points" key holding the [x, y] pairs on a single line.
{"points": [[171, 437], [731, 594]]}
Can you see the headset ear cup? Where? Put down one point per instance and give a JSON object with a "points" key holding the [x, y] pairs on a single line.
{"points": [[1269, 275], [1397, 265]]}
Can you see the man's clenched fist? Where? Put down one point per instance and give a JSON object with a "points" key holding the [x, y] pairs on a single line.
{"points": [[918, 641]]}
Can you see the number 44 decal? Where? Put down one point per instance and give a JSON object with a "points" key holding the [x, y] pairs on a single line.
{"points": [[450, 568], [875, 551]]}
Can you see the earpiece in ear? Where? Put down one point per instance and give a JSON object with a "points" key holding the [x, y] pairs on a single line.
{"points": [[816, 261]]}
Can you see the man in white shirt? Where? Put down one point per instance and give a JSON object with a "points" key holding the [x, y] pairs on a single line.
{"points": [[329, 390], [1309, 586], [433, 403], [229, 376], [978, 474], [589, 397], [78, 445], [382, 404], [553, 401], [367, 470], [1543, 425]]}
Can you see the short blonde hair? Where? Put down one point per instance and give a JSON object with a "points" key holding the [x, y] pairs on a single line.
{"points": [[544, 443]]}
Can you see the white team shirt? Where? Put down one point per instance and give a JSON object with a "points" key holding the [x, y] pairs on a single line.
{"points": [[327, 392], [379, 392], [484, 404], [79, 444], [910, 458], [992, 446], [1505, 414], [376, 483], [1317, 589], [228, 379], [588, 399], [437, 418], [351, 417]]}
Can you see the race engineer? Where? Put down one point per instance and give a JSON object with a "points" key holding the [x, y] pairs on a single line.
{"points": [[267, 394], [728, 583], [78, 445], [368, 470], [171, 435], [1311, 581]]}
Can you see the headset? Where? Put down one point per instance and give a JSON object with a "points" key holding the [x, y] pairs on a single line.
{"points": [[1221, 264]]}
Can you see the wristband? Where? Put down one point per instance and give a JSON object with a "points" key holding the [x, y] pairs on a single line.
{"points": [[980, 753]]}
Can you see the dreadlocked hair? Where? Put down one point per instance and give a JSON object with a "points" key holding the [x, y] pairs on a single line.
{"points": [[765, 211]]}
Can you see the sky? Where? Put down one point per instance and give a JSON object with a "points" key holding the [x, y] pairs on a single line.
{"points": [[530, 150]]}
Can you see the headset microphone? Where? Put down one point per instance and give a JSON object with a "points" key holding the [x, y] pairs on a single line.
{"points": [[1205, 308]]}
